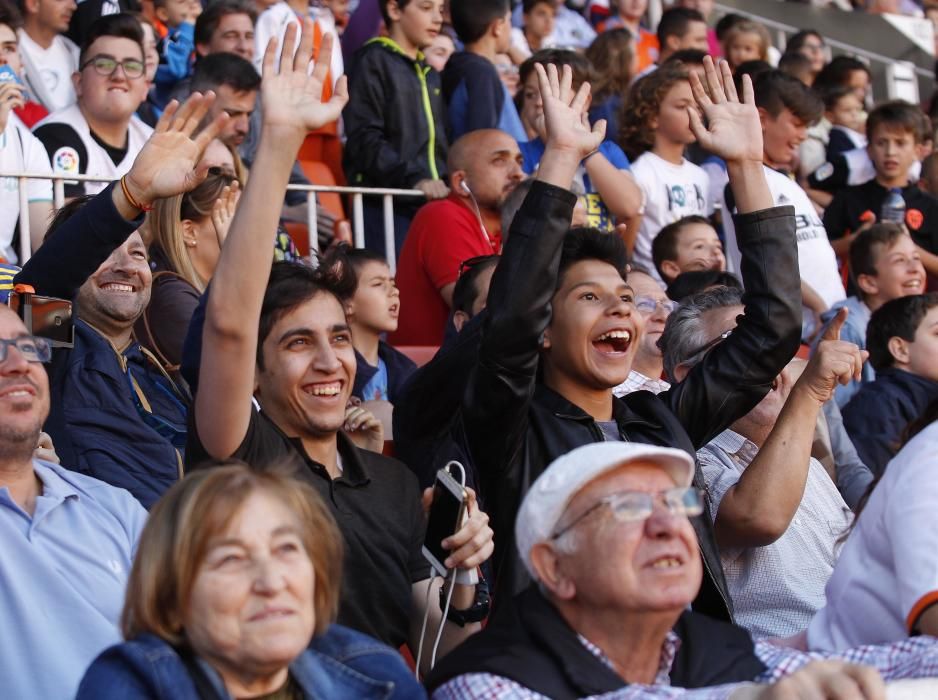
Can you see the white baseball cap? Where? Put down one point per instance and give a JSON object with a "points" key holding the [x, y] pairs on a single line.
{"points": [[549, 495]]}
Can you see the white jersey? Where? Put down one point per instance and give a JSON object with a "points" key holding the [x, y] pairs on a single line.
{"points": [[72, 149], [273, 23], [22, 152], [670, 192], [48, 72], [887, 574], [816, 257]]}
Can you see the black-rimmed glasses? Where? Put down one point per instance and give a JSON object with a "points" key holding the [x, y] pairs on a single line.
{"points": [[106, 66], [31, 347]]}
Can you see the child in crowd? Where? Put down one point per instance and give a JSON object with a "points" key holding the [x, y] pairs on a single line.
{"points": [[842, 71], [893, 130], [885, 265], [796, 65], [535, 34], [746, 41], [786, 108], [614, 62], [475, 96], [843, 108], [437, 54], [688, 244], [810, 44], [175, 49], [371, 312], [654, 133], [704, 7], [609, 192], [902, 339], [149, 112], [628, 14], [394, 119]]}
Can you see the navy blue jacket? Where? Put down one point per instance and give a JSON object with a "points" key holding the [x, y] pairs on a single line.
{"points": [[476, 98], [340, 665], [880, 411], [94, 422], [398, 365]]}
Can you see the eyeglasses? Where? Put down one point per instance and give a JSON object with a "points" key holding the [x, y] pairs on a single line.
{"points": [[107, 65], [31, 347], [647, 305], [707, 346], [636, 506]]}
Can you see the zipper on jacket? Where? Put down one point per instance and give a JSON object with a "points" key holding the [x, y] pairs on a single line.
{"points": [[425, 94], [431, 125]]}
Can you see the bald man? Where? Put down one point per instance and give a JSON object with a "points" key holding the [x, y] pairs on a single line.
{"points": [[484, 167]]}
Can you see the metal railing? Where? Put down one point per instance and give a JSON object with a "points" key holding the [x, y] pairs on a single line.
{"points": [[357, 194], [784, 30]]}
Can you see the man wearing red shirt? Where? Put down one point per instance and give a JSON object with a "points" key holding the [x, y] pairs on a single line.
{"points": [[484, 166]]}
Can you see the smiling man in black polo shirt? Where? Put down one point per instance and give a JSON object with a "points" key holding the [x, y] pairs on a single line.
{"points": [[284, 341]]}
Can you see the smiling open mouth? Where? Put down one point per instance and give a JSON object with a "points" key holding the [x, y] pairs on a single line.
{"points": [[613, 341]]}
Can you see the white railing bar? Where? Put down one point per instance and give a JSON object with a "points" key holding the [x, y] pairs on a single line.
{"points": [[58, 194], [312, 223], [358, 219], [390, 236], [26, 241], [833, 43]]}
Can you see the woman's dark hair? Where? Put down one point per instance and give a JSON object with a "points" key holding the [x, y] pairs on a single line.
{"points": [[838, 71], [798, 39]]}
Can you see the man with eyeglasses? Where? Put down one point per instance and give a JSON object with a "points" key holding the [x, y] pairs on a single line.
{"points": [[777, 513], [101, 135], [655, 307], [605, 534], [68, 539]]}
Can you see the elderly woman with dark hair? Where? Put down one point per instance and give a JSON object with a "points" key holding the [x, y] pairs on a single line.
{"points": [[232, 595]]}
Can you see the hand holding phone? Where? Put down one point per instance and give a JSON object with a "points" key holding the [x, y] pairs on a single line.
{"points": [[12, 93], [446, 516]]}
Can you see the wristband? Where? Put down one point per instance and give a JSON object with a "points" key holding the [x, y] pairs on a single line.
{"points": [[477, 612], [588, 156], [130, 198]]}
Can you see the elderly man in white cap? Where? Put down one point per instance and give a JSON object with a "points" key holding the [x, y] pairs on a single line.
{"points": [[606, 536]]}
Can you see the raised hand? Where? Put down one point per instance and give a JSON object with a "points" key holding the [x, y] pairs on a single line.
{"points": [[291, 96], [734, 132], [834, 362], [566, 123], [223, 211], [168, 163], [11, 97]]}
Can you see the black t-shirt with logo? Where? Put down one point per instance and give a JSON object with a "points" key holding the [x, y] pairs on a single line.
{"points": [[852, 206], [376, 503]]}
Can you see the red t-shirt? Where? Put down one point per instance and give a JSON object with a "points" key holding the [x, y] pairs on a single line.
{"points": [[442, 235]]}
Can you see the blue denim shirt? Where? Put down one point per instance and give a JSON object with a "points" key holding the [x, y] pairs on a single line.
{"points": [[340, 665]]}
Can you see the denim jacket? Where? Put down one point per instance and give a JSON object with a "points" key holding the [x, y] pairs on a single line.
{"points": [[340, 665]]}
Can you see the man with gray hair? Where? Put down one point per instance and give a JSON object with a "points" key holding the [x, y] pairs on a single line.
{"points": [[777, 514], [605, 533]]}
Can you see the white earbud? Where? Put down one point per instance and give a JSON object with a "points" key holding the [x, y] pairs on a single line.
{"points": [[465, 187]]}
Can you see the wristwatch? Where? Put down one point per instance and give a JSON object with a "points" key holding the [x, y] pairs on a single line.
{"points": [[477, 612]]}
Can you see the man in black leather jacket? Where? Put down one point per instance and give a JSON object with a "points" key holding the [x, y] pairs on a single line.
{"points": [[560, 334]]}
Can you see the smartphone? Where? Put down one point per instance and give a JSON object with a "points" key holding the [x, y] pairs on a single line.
{"points": [[446, 515], [46, 317], [7, 75]]}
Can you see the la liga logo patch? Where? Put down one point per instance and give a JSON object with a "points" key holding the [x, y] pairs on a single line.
{"points": [[65, 160]]}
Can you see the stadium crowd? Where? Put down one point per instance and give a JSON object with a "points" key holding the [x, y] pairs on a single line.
{"points": [[665, 298]]}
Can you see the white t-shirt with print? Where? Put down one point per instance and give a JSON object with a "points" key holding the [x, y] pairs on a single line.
{"points": [[670, 192], [816, 257], [20, 151], [48, 72]]}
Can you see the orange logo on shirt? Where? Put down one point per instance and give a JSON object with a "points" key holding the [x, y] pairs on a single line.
{"points": [[914, 219], [867, 216]]}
